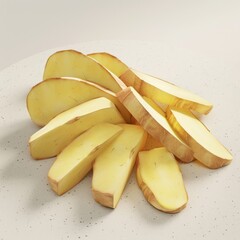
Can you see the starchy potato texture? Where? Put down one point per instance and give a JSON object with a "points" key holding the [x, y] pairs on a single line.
{"points": [[165, 92], [70, 63], [114, 165], [49, 98], [152, 87], [160, 180], [154, 123], [110, 62], [99, 114], [50, 140], [207, 149], [76, 160]]}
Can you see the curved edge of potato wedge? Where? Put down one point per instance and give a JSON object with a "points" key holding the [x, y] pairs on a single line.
{"points": [[149, 196]]}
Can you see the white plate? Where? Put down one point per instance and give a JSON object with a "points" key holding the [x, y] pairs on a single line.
{"points": [[30, 210]]}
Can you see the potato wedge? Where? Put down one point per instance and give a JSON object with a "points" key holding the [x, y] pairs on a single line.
{"points": [[152, 87], [110, 62], [207, 149], [76, 160], [70, 63], [114, 165], [151, 143], [154, 105], [165, 92], [53, 96], [154, 123], [160, 179], [60, 131]]}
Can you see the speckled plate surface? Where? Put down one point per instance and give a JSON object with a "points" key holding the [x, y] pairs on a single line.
{"points": [[30, 210]]}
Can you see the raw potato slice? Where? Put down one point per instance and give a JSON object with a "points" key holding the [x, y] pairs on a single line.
{"points": [[154, 105], [152, 87], [152, 143], [160, 179], [154, 123], [60, 131], [165, 92], [110, 62], [207, 149], [76, 160], [53, 96], [70, 63], [114, 165]]}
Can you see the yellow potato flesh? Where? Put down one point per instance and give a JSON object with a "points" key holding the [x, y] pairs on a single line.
{"points": [[110, 62], [53, 96], [154, 105], [70, 63], [113, 166], [76, 160], [60, 131], [207, 149], [152, 143], [152, 87], [154, 123], [160, 178], [165, 92]]}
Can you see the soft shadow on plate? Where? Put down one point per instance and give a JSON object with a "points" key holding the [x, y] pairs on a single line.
{"points": [[16, 144], [191, 172], [21, 166], [87, 210], [195, 170]]}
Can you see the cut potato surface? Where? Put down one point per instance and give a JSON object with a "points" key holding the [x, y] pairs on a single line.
{"points": [[152, 143], [207, 149], [97, 113], [160, 179], [114, 165], [165, 92], [60, 131], [76, 160], [53, 96], [152, 87], [110, 62], [70, 63], [154, 105], [154, 123]]}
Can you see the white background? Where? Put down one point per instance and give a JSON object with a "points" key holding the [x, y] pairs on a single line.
{"points": [[209, 27]]}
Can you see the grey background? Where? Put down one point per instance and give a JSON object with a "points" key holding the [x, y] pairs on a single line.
{"points": [[27, 27]]}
